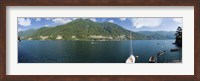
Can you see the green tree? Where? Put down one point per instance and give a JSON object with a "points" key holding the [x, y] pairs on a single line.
{"points": [[178, 35]]}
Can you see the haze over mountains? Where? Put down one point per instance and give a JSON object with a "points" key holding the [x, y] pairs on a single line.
{"points": [[85, 29]]}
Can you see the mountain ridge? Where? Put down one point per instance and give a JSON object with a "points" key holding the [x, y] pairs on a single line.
{"points": [[85, 29]]}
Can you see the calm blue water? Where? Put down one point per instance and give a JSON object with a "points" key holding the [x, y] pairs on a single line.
{"points": [[36, 51]]}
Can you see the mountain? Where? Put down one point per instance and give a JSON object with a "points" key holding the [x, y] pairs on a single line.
{"points": [[85, 29], [26, 33], [161, 35]]}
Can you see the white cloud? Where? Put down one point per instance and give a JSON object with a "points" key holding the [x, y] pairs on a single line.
{"points": [[179, 21], [24, 21], [46, 25], [61, 20], [146, 22], [19, 29], [111, 21], [93, 19], [74, 18], [49, 18], [37, 19], [122, 19], [103, 19]]}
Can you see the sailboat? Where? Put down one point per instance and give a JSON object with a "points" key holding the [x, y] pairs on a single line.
{"points": [[131, 58]]}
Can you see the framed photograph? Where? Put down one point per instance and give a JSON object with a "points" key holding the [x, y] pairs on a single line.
{"points": [[99, 40]]}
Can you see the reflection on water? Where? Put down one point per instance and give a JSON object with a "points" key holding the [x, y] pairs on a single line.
{"points": [[36, 51]]}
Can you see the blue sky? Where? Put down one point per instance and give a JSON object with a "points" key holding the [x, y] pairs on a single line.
{"points": [[135, 24]]}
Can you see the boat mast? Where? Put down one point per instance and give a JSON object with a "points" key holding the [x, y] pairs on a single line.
{"points": [[131, 59], [131, 47]]}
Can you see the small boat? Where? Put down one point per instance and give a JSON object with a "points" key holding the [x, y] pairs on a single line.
{"points": [[160, 53], [131, 59], [152, 59], [19, 39], [173, 50]]}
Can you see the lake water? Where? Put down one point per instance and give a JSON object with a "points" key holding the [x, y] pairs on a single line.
{"points": [[59, 51]]}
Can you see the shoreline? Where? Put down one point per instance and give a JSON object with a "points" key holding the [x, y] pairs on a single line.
{"points": [[92, 40]]}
